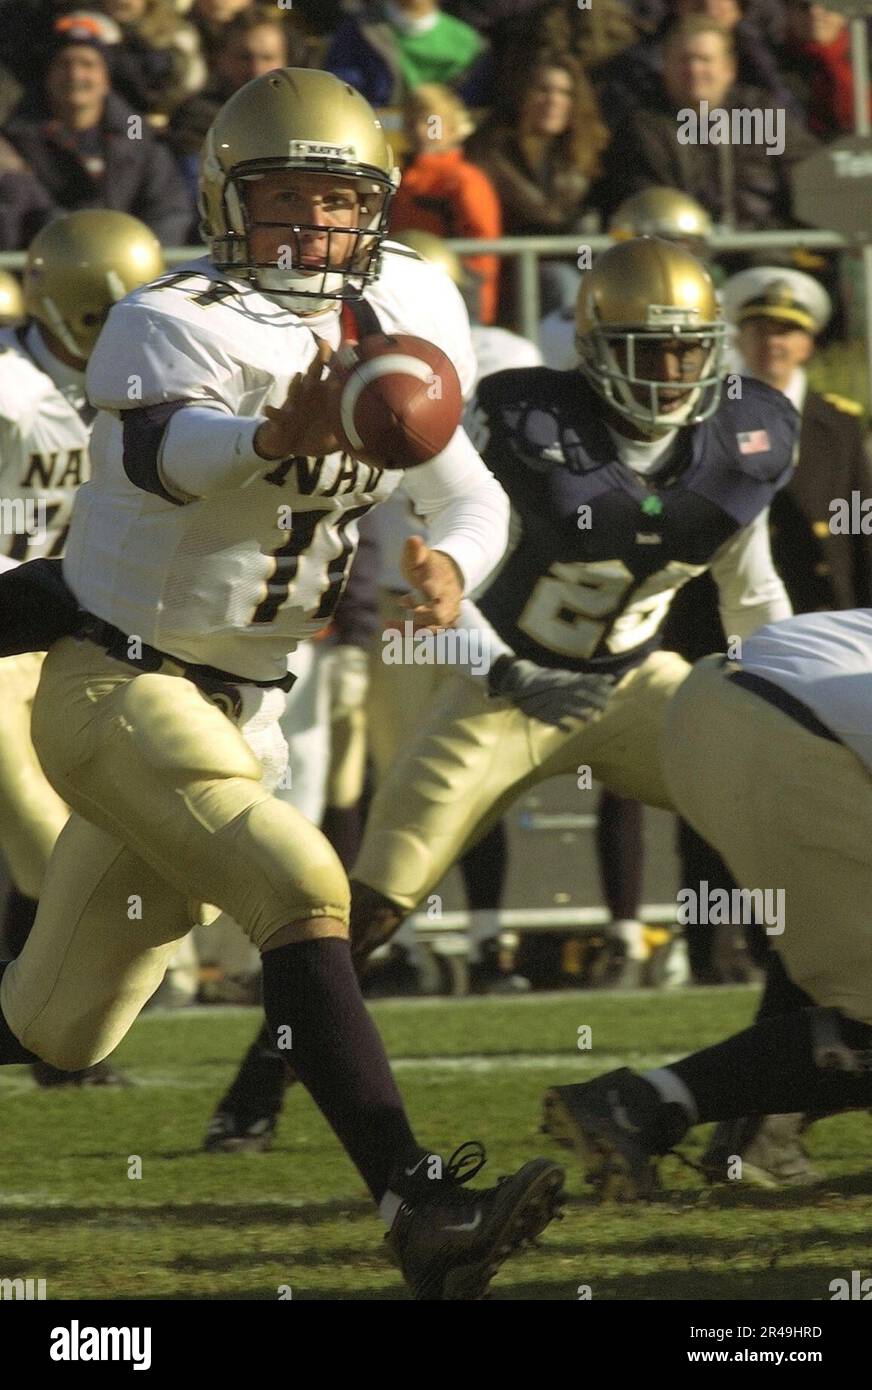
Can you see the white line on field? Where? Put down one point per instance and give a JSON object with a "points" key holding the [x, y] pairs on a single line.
{"points": [[570, 1062]]}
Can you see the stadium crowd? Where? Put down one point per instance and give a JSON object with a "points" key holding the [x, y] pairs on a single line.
{"points": [[526, 116]]}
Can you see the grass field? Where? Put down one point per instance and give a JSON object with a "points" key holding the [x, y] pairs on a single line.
{"points": [[197, 1226]]}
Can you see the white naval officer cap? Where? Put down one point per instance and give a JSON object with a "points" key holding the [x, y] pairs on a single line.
{"points": [[776, 292]]}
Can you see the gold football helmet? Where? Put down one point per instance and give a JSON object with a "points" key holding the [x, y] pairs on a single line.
{"points": [[11, 300], [80, 265], [306, 120], [642, 295], [666, 213]]}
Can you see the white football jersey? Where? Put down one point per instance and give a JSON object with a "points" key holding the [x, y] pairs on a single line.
{"points": [[235, 579], [43, 446]]}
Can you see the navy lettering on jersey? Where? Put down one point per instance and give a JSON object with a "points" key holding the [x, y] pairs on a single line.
{"points": [[597, 550]]}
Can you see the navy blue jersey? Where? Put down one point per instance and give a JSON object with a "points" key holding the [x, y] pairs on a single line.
{"points": [[598, 551]]}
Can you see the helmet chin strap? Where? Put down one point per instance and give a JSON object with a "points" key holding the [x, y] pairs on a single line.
{"points": [[275, 284]]}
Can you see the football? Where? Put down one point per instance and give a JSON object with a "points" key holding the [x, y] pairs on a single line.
{"points": [[399, 402]]}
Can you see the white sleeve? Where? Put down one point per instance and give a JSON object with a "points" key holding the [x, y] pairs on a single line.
{"points": [[466, 510], [750, 592], [487, 647], [206, 450]]}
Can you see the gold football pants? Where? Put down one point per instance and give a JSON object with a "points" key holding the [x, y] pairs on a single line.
{"points": [[787, 810], [474, 755], [32, 814], [169, 810]]}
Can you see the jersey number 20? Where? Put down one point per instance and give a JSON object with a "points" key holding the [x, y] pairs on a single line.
{"points": [[578, 603]]}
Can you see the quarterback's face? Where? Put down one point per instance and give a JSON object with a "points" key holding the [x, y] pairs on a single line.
{"points": [[292, 216]]}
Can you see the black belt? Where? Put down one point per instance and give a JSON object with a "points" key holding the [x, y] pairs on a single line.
{"points": [[788, 704], [117, 644]]}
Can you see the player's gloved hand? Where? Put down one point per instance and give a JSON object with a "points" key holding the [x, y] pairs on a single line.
{"points": [[300, 425], [348, 680], [551, 696]]}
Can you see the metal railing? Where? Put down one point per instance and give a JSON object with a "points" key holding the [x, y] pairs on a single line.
{"points": [[528, 251]]}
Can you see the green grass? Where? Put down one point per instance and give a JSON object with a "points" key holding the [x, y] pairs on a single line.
{"points": [[196, 1226]]}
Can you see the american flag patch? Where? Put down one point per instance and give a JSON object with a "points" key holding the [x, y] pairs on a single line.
{"points": [[754, 442]]}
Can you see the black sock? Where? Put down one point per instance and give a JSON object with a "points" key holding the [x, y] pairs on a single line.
{"points": [[259, 1086], [620, 850], [310, 988], [484, 870], [343, 827], [11, 1050], [18, 919], [770, 1069]]}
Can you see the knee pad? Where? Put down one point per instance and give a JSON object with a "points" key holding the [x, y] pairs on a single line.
{"points": [[294, 874], [374, 919]]}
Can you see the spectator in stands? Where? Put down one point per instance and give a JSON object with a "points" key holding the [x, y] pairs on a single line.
{"points": [[393, 46], [210, 18], [817, 63], [634, 78], [159, 61], [253, 43], [88, 148], [24, 204], [592, 35], [741, 183], [541, 148], [442, 192]]}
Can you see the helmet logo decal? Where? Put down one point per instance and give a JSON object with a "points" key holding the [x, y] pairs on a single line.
{"points": [[668, 316], [310, 149]]}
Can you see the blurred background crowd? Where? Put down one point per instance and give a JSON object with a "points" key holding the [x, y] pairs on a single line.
{"points": [[511, 116]]}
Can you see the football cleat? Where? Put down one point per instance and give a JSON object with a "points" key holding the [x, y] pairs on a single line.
{"points": [[101, 1074], [231, 1134], [449, 1243], [618, 1126], [770, 1149]]}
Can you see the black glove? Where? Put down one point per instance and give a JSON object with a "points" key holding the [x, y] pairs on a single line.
{"points": [[551, 696]]}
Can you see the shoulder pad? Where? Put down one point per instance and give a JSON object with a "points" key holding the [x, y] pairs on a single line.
{"points": [[759, 429], [520, 385], [843, 403]]}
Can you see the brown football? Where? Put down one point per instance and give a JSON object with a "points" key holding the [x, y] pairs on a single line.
{"points": [[400, 401]]}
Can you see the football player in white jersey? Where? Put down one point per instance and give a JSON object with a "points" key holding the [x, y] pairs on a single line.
{"points": [[770, 760], [394, 699], [76, 269], [214, 536]]}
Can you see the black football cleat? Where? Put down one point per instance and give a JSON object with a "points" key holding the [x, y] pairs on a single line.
{"points": [[449, 1243], [234, 1134], [101, 1074], [618, 1126]]}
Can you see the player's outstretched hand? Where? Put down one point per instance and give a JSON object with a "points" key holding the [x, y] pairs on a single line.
{"points": [[302, 425], [553, 697], [438, 582]]}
